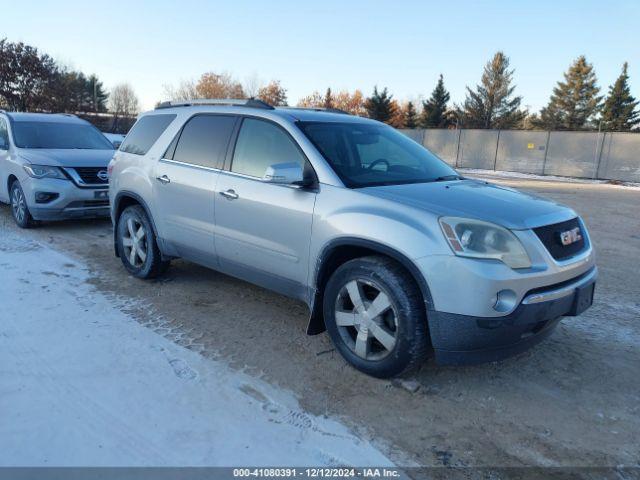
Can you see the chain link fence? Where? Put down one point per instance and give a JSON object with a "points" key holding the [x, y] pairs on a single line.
{"points": [[605, 156]]}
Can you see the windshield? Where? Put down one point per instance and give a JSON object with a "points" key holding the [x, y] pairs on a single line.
{"points": [[58, 135], [365, 155]]}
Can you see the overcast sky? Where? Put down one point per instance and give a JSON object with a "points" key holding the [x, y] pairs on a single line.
{"points": [[343, 44]]}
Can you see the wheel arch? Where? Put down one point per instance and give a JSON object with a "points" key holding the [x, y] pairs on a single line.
{"points": [[341, 250], [126, 199], [10, 179]]}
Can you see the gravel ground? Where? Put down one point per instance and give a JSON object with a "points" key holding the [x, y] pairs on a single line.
{"points": [[574, 400]]}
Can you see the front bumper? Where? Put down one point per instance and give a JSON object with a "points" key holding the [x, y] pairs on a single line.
{"points": [[71, 201], [462, 339]]}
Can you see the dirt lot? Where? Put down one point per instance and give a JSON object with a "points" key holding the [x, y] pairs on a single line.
{"points": [[572, 401]]}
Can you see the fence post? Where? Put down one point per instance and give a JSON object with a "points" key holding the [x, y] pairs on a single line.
{"points": [[495, 157], [546, 150], [458, 145], [599, 149]]}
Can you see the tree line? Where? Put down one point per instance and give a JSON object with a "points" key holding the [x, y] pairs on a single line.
{"points": [[575, 104], [32, 81]]}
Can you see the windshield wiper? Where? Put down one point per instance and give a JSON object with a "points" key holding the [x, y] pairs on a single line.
{"points": [[446, 178]]}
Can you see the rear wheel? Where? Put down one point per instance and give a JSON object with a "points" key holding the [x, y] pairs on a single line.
{"points": [[19, 208], [137, 245], [374, 313]]}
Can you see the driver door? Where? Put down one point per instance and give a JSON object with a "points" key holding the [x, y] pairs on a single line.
{"points": [[263, 230]]}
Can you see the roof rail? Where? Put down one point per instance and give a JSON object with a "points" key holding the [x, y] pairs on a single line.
{"points": [[320, 109], [236, 102]]}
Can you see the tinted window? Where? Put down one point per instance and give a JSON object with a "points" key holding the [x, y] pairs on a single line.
{"points": [[4, 135], [59, 135], [368, 154], [145, 133], [262, 144], [204, 140]]}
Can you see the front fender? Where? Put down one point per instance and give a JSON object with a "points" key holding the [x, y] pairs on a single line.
{"points": [[345, 217]]}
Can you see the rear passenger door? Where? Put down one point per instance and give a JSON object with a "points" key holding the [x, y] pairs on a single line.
{"points": [[262, 229], [185, 180]]}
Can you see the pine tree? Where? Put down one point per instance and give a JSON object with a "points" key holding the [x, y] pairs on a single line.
{"points": [[619, 112], [328, 99], [574, 102], [492, 104], [434, 110], [97, 96], [410, 116], [379, 106]]}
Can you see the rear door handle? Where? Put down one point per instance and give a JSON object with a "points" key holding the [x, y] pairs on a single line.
{"points": [[163, 179], [230, 194]]}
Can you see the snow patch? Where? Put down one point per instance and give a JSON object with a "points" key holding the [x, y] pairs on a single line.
{"points": [[548, 178], [83, 383]]}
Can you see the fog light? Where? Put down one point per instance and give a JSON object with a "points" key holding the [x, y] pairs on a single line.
{"points": [[45, 197], [505, 301]]}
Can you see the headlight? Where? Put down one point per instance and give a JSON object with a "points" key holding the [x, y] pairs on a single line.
{"points": [[44, 171], [478, 239]]}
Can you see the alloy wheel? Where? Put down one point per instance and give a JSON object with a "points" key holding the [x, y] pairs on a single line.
{"points": [[19, 204], [366, 319], [134, 243]]}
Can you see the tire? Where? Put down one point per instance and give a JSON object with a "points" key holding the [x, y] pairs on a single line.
{"points": [[19, 209], [389, 333], [137, 245]]}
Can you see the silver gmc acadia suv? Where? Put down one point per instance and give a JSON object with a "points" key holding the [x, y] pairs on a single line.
{"points": [[397, 256], [53, 167]]}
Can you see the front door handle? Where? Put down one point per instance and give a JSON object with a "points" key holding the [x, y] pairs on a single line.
{"points": [[230, 194], [163, 179]]}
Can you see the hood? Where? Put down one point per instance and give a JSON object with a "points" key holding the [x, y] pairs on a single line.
{"points": [[479, 200], [67, 158]]}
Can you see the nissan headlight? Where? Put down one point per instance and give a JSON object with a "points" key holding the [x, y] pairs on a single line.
{"points": [[478, 239], [44, 171]]}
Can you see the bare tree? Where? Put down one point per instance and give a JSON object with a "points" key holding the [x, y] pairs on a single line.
{"points": [[124, 105], [185, 90], [252, 85]]}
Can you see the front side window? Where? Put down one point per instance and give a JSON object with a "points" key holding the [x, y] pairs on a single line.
{"points": [[367, 154], [204, 140], [261, 144], [59, 135], [145, 133]]}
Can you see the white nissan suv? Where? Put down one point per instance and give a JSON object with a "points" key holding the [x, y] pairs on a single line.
{"points": [[53, 167]]}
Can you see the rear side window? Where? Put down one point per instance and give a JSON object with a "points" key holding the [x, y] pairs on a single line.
{"points": [[262, 144], [145, 133], [204, 140], [4, 134]]}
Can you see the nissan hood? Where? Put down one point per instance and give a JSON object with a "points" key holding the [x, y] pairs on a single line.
{"points": [[67, 158]]}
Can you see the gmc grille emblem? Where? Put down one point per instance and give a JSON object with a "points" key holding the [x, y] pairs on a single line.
{"points": [[570, 236], [103, 175]]}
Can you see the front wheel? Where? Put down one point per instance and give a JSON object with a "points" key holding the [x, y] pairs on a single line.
{"points": [[375, 316], [137, 245], [19, 208]]}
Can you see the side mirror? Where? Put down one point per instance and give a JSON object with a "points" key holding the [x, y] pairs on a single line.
{"points": [[285, 174], [4, 145]]}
